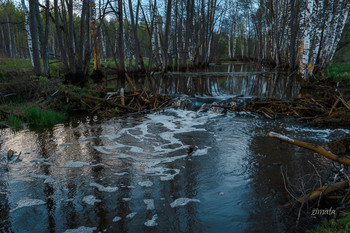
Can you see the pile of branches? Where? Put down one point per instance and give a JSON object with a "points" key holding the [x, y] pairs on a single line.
{"points": [[135, 101], [332, 109]]}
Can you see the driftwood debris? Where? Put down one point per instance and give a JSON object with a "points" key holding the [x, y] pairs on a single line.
{"points": [[331, 109], [134, 101]]}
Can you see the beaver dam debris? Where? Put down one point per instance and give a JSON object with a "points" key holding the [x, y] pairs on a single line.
{"points": [[330, 110]]}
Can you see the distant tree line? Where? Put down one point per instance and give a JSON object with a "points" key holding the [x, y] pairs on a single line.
{"points": [[301, 35]]}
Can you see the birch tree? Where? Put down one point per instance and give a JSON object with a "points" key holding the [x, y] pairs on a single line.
{"points": [[29, 36]]}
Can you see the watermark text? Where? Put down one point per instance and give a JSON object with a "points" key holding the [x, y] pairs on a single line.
{"points": [[317, 211]]}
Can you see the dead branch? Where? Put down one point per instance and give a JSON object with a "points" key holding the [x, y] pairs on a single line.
{"points": [[320, 150], [90, 97], [324, 190]]}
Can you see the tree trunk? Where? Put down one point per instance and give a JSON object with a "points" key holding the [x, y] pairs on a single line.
{"points": [[139, 59], [60, 38], [29, 36], [94, 37], [33, 28]]}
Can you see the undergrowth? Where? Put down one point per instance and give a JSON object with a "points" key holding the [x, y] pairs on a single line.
{"points": [[341, 225], [338, 72], [38, 116], [14, 121]]}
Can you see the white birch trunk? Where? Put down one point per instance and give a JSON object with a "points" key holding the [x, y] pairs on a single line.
{"points": [[229, 45], [9, 34], [103, 42], [334, 32], [326, 32], [306, 38], [318, 33], [343, 20]]}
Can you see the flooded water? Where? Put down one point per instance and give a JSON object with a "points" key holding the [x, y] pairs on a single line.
{"points": [[134, 174], [224, 79]]}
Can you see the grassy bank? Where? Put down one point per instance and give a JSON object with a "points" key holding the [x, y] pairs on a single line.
{"points": [[338, 72], [33, 115], [340, 225]]}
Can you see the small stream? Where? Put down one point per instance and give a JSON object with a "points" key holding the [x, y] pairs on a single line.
{"points": [[134, 174]]}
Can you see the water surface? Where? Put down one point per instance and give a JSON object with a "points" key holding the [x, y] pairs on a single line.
{"points": [[133, 174]]}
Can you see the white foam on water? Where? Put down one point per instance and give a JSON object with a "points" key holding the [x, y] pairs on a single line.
{"points": [[85, 139], [152, 222], [162, 172], [201, 152], [41, 160], [149, 204], [103, 188], [116, 219], [179, 122], [101, 150], [126, 199], [66, 144], [169, 177], [97, 165], [75, 164], [111, 137], [121, 173], [90, 200], [81, 229], [315, 133], [48, 179], [182, 201], [28, 203], [131, 215], [154, 162], [146, 183]]}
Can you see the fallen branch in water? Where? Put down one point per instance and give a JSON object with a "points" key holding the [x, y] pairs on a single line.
{"points": [[324, 190], [108, 102], [320, 150]]}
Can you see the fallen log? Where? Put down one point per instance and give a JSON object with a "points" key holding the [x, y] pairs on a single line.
{"points": [[320, 150]]}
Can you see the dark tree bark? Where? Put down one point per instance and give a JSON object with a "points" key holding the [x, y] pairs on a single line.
{"points": [[34, 31]]}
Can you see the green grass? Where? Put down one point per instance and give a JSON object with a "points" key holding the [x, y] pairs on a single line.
{"points": [[14, 122], [8, 64], [341, 225], [338, 72], [37, 116]]}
